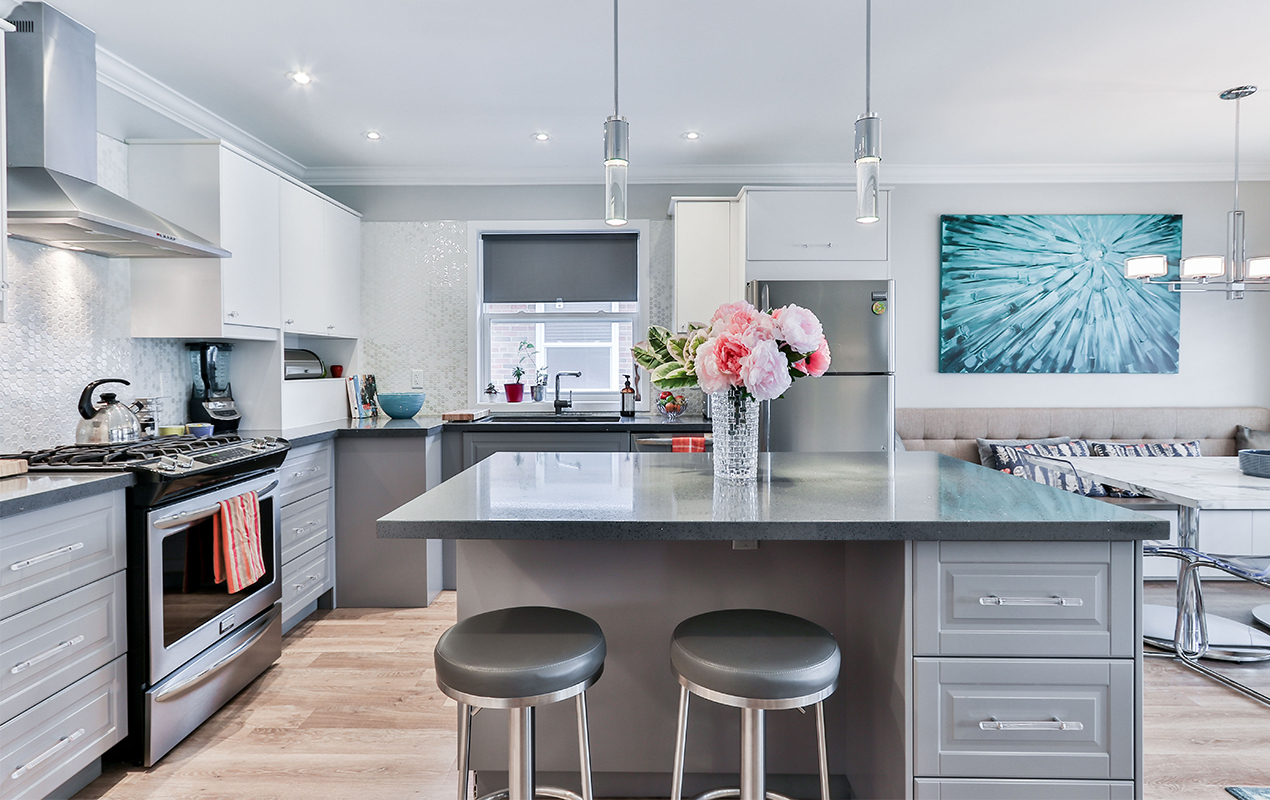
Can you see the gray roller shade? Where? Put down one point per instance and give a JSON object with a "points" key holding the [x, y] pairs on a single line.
{"points": [[573, 267]]}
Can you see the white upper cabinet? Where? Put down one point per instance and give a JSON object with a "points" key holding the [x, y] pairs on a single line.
{"points": [[811, 225], [321, 265], [229, 200], [708, 267]]}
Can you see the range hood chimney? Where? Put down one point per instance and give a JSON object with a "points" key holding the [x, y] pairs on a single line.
{"points": [[54, 198]]}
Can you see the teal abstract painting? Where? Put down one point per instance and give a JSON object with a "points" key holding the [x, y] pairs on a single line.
{"points": [[1032, 293]]}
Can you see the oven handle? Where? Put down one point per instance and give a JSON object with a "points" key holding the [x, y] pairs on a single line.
{"points": [[185, 517], [171, 692]]}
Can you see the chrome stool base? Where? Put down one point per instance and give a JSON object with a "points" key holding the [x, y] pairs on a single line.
{"points": [[719, 794], [543, 791]]}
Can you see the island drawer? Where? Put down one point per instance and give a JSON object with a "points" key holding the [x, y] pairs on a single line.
{"points": [[45, 746], [306, 472], [49, 647], [305, 524], [51, 551], [1063, 599], [304, 578], [1024, 718], [964, 789]]}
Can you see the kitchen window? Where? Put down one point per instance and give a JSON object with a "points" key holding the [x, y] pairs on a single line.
{"points": [[576, 297]]}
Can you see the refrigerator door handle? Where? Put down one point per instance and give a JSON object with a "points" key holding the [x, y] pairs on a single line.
{"points": [[767, 300]]}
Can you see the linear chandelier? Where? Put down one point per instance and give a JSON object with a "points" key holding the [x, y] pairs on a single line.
{"points": [[1234, 273], [868, 132], [616, 160]]}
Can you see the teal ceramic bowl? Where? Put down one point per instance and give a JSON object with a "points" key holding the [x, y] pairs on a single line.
{"points": [[401, 405]]}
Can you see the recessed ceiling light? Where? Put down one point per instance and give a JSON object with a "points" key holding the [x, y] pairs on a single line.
{"points": [[691, 135], [302, 78], [542, 137], [374, 135]]}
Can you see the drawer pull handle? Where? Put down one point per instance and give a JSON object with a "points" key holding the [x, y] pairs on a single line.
{"points": [[807, 245], [993, 600], [304, 472], [61, 551], [310, 579], [304, 527], [45, 655], [42, 757], [1055, 724]]}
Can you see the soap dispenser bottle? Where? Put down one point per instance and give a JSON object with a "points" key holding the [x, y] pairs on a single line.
{"points": [[628, 398]]}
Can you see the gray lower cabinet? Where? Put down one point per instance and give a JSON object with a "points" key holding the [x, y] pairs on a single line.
{"points": [[1026, 673], [307, 531], [481, 445], [63, 639]]}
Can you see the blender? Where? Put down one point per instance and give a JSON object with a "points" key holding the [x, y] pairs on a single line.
{"points": [[211, 398]]}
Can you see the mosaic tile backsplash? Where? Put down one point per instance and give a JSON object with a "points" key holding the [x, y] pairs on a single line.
{"points": [[68, 324], [414, 305]]}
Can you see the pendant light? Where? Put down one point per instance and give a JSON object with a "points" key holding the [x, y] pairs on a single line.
{"points": [[868, 133], [1213, 273], [616, 139]]}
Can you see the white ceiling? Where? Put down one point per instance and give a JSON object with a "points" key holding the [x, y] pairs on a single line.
{"points": [[1012, 89]]}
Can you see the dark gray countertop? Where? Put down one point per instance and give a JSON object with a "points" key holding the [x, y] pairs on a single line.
{"points": [[27, 492], [641, 423], [798, 496], [372, 426]]}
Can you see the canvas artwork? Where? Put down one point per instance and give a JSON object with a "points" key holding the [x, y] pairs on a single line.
{"points": [[1031, 293]]}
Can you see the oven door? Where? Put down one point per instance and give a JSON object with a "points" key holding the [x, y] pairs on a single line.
{"points": [[187, 611]]}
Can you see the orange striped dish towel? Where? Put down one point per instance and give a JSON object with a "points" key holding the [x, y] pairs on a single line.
{"points": [[236, 552], [688, 444]]}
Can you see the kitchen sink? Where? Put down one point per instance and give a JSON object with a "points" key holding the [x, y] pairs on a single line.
{"points": [[553, 418]]}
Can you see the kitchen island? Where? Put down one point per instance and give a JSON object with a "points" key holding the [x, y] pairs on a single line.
{"points": [[958, 595]]}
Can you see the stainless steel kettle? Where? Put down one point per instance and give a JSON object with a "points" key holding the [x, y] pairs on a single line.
{"points": [[109, 421]]}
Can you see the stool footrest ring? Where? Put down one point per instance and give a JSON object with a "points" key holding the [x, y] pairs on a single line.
{"points": [[541, 791], [719, 794]]}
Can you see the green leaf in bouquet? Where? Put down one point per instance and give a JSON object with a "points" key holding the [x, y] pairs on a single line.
{"points": [[657, 339], [645, 357], [675, 346], [673, 376]]}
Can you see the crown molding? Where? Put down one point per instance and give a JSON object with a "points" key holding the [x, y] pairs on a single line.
{"points": [[128, 80], [798, 174]]}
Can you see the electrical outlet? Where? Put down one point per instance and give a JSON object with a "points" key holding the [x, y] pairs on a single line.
{"points": [[416, 379]]}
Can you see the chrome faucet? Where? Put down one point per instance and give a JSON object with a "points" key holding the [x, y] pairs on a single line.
{"points": [[561, 405]]}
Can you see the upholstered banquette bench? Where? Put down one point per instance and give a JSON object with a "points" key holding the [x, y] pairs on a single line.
{"points": [[956, 431]]}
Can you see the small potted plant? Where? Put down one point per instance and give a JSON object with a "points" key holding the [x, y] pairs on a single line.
{"points": [[540, 385], [516, 391]]}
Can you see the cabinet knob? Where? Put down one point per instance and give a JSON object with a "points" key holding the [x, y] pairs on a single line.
{"points": [[290, 321], [232, 314], [330, 327]]}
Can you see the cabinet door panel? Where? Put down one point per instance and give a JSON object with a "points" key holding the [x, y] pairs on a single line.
{"points": [[306, 284], [812, 226], [249, 230], [344, 249], [707, 274]]}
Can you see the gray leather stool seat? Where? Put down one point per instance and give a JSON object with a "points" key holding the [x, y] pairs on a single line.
{"points": [[756, 655], [519, 654], [757, 661], [517, 659]]}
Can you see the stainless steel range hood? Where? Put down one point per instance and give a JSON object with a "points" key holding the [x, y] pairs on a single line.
{"points": [[54, 198]]}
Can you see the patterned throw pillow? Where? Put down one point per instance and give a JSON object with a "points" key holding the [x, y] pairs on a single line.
{"points": [[985, 447], [1015, 461], [1176, 449]]}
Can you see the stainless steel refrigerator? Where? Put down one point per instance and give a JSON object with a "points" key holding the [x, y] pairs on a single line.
{"points": [[852, 407]]}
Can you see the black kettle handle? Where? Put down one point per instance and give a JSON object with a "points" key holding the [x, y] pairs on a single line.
{"points": [[86, 409]]}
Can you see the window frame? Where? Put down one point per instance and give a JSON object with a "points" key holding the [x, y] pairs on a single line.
{"points": [[479, 321]]}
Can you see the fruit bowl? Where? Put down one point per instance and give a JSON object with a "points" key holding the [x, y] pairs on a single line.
{"points": [[401, 405], [670, 405]]}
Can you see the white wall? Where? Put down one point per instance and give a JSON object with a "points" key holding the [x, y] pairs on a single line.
{"points": [[1222, 361]]}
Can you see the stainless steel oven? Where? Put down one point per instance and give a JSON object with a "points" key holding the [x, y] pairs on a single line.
{"points": [[204, 644]]}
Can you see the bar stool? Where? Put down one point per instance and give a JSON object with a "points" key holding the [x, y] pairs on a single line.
{"points": [[517, 659], [756, 661]]}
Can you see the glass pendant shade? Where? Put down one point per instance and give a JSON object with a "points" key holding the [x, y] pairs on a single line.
{"points": [[1258, 267], [1203, 267], [868, 163], [616, 161], [1146, 267]]}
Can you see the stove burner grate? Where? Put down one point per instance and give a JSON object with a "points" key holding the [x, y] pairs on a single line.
{"points": [[124, 453]]}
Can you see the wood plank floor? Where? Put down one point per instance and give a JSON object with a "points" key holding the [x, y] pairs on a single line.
{"points": [[351, 710]]}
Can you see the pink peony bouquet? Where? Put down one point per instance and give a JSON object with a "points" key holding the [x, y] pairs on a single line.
{"points": [[742, 347]]}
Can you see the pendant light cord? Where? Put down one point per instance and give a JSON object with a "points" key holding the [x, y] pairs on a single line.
{"points": [[615, 58], [868, 53], [1236, 153]]}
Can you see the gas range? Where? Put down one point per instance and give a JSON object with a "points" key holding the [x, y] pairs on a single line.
{"points": [[167, 467]]}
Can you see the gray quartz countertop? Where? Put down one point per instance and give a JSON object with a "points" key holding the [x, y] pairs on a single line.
{"points": [[372, 426], [27, 492], [569, 423], [798, 496]]}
